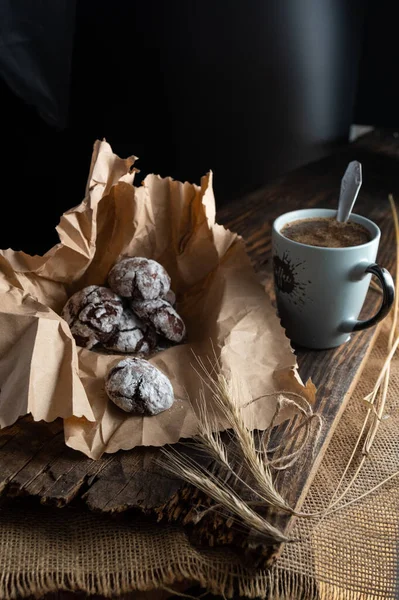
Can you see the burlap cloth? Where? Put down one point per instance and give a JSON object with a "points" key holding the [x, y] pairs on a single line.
{"points": [[350, 554]]}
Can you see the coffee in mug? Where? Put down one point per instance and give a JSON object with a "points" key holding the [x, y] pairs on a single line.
{"points": [[326, 232], [322, 271]]}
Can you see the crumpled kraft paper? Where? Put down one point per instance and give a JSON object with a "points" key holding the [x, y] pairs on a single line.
{"points": [[230, 321]]}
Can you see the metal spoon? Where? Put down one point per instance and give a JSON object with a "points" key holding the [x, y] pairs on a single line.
{"points": [[350, 186]]}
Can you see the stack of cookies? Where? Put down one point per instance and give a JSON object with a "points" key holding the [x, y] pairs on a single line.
{"points": [[132, 316]]}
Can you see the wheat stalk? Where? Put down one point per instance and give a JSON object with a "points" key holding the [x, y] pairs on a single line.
{"points": [[225, 396], [182, 467], [209, 439], [228, 398], [373, 412]]}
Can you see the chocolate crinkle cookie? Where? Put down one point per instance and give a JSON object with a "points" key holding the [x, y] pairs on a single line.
{"points": [[92, 314], [132, 335], [139, 278], [162, 316], [137, 387]]}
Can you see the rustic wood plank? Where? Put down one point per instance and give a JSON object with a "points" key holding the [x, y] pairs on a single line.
{"points": [[34, 460], [136, 480]]}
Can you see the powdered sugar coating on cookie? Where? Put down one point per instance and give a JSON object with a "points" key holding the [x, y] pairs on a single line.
{"points": [[139, 278], [132, 335], [162, 316], [92, 315], [137, 387]]}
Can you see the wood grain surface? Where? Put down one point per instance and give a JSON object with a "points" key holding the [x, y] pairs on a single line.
{"points": [[34, 460]]}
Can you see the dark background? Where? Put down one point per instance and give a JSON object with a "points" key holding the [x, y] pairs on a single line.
{"points": [[248, 89]]}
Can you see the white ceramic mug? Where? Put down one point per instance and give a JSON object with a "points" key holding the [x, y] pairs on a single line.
{"points": [[320, 291]]}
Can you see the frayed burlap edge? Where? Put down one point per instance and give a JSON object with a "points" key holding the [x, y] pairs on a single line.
{"points": [[272, 584], [276, 584]]}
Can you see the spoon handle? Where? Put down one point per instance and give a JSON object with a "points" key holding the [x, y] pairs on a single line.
{"points": [[350, 186]]}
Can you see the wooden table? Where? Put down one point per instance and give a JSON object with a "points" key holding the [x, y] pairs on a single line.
{"points": [[35, 462]]}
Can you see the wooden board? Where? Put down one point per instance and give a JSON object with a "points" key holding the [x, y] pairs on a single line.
{"points": [[34, 460]]}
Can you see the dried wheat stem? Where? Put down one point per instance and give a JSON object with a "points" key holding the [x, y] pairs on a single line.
{"points": [[349, 464], [225, 395], [367, 493], [386, 364], [365, 451], [377, 416], [391, 344], [177, 465], [366, 447], [226, 399], [371, 398], [259, 470], [215, 448]]}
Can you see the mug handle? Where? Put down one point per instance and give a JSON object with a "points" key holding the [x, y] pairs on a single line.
{"points": [[388, 296]]}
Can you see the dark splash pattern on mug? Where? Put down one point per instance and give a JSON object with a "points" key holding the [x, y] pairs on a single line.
{"points": [[286, 274]]}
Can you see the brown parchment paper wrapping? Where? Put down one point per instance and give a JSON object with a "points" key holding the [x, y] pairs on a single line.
{"points": [[226, 311]]}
